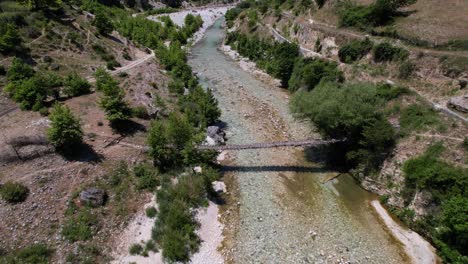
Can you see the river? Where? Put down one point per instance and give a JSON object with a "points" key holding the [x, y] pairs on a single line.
{"points": [[286, 214]]}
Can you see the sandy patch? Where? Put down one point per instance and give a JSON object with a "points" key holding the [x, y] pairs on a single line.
{"points": [[210, 233], [138, 231], [418, 249]]}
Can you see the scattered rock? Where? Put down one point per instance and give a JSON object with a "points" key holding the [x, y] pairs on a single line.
{"points": [[215, 136], [54, 66], [47, 59], [219, 186], [93, 196], [463, 83], [460, 103], [197, 169]]}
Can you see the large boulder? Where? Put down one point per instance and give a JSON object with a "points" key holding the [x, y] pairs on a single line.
{"points": [[215, 135], [460, 103], [93, 197]]}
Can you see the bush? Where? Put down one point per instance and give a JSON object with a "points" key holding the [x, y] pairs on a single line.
{"points": [[417, 118], [113, 99], [386, 52], [308, 73], [112, 64], [151, 212], [75, 85], [448, 186], [65, 131], [147, 177], [135, 249], [390, 92], [10, 39], [406, 70], [19, 71], [354, 50], [103, 23], [140, 112], [13, 192], [34, 254], [381, 12], [80, 227]]}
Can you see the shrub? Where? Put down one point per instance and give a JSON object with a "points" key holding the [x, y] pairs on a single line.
{"points": [[80, 227], [75, 85], [10, 39], [151, 212], [150, 246], [147, 177], [19, 71], [381, 12], [135, 249], [34, 254], [354, 50], [390, 92], [112, 64], [65, 131], [406, 70], [140, 112], [386, 52], [308, 73], [13, 192], [103, 23], [418, 117]]}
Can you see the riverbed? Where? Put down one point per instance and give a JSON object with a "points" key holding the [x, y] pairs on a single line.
{"points": [[285, 214]]}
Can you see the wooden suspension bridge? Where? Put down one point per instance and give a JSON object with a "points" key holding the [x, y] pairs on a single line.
{"points": [[278, 144]]}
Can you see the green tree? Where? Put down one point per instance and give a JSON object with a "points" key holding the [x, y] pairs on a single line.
{"points": [[114, 105], [65, 131], [19, 70], [103, 23], [39, 4], [163, 155], [75, 85], [10, 39]]}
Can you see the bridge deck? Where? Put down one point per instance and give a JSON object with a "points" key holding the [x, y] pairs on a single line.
{"points": [[302, 143]]}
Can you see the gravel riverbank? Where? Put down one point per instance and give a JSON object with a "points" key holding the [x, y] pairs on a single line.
{"points": [[285, 213]]}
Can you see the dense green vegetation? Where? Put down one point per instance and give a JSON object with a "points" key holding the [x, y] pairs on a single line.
{"points": [[175, 227], [386, 52], [448, 186], [283, 61], [381, 12], [418, 117], [13, 192], [276, 58], [113, 99], [308, 73], [355, 50], [75, 85], [353, 112], [34, 254], [65, 131]]}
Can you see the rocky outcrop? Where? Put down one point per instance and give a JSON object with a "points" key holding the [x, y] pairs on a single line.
{"points": [[460, 103], [215, 136], [93, 197]]}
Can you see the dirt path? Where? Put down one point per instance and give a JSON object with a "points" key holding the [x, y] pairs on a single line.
{"points": [[355, 34], [440, 106]]}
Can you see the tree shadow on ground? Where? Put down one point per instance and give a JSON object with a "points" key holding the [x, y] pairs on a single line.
{"points": [[82, 153], [127, 127], [331, 156]]}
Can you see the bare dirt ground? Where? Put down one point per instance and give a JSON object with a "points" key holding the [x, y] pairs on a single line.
{"points": [[53, 179]]}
